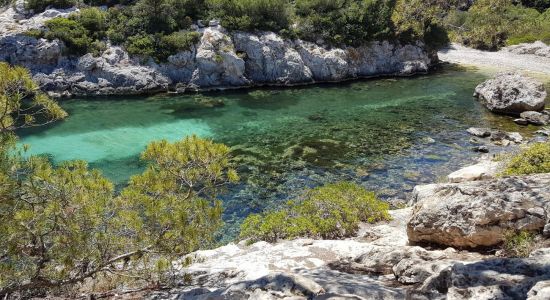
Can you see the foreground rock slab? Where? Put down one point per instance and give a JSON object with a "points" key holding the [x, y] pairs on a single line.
{"points": [[477, 214], [511, 93]]}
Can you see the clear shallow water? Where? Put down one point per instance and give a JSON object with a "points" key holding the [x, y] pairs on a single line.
{"points": [[387, 134]]}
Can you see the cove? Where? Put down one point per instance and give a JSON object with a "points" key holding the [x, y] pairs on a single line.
{"points": [[387, 134]]}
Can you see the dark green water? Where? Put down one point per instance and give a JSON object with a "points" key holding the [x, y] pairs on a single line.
{"points": [[387, 134]]}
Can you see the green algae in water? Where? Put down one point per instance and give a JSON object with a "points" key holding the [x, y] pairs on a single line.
{"points": [[285, 140]]}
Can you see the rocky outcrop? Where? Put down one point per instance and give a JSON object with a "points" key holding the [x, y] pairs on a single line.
{"points": [[477, 214], [537, 48], [535, 118], [220, 60], [486, 169], [511, 93]]}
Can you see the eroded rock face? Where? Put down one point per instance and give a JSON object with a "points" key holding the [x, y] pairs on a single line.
{"points": [[511, 93], [476, 214], [219, 60]]}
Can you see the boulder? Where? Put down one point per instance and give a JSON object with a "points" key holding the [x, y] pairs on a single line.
{"points": [[481, 171], [478, 213], [479, 132], [536, 118], [537, 48], [511, 93]]}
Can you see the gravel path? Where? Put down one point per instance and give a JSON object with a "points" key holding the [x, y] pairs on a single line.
{"points": [[501, 60]]}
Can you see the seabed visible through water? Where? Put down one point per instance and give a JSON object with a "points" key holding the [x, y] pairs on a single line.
{"points": [[387, 134]]}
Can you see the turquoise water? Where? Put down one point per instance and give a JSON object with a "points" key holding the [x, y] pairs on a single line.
{"points": [[387, 134]]}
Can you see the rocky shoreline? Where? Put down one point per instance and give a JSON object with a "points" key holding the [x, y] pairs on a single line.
{"points": [[441, 247], [221, 60]]}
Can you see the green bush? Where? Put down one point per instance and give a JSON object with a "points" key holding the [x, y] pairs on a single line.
{"points": [[251, 15], [329, 212], [40, 5], [176, 42], [71, 32], [92, 19], [532, 160], [540, 5], [518, 244], [349, 22]]}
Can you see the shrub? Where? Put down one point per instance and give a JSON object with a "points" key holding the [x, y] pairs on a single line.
{"points": [[331, 211], [418, 20], [251, 15], [350, 22], [40, 5], [72, 33], [532, 160], [141, 45], [519, 244], [176, 42]]}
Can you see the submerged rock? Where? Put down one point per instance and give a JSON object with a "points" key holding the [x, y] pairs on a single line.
{"points": [[511, 93], [477, 214]]}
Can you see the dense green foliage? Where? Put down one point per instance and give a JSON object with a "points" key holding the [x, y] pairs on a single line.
{"points": [[532, 160], [251, 15], [491, 24], [329, 212], [63, 224]]}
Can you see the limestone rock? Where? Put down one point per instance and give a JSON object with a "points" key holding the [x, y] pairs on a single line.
{"points": [[536, 118], [537, 48], [476, 214], [496, 278], [511, 93], [481, 171]]}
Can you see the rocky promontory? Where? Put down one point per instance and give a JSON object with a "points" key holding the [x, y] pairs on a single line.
{"points": [[221, 59], [437, 249]]}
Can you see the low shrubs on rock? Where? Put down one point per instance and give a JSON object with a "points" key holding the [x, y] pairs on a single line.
{"points": [[519, 244], [532, 160], [329, 212]]}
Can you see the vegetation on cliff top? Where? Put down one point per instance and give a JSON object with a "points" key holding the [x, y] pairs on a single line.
{"points": [[142, 26]]}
